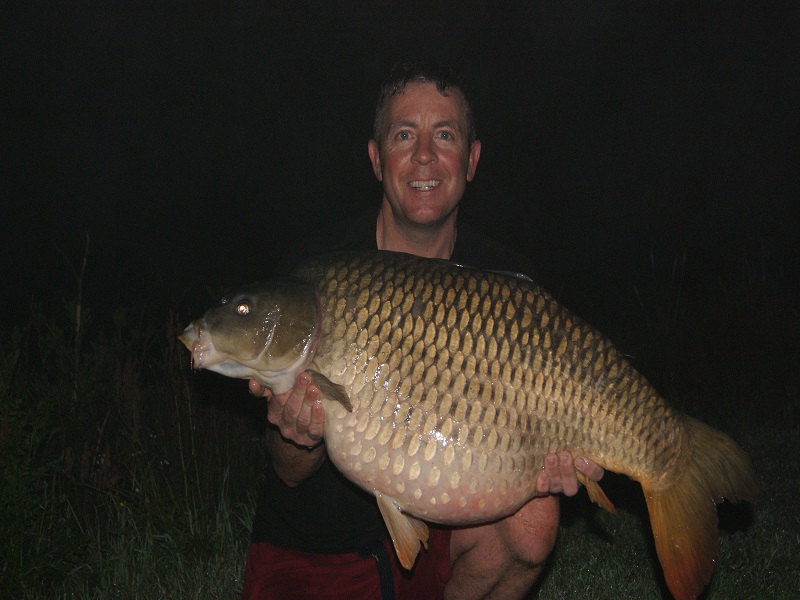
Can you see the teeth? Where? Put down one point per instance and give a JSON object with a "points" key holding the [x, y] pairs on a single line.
{"points": [[425, 185]]}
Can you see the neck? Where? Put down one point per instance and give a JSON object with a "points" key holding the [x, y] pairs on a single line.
{"points": [[428, 241]]}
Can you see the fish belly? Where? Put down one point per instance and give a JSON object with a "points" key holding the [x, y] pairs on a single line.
{"points": [[462, 381], [436, 478]]}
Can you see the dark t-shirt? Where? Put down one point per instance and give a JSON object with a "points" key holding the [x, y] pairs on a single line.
{"points": [[327, 513]]}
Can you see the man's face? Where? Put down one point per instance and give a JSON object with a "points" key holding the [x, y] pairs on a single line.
{"points": [[425, 159]]}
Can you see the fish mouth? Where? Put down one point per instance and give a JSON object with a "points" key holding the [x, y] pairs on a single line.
{"points": [[425, 185], [197, 340]]}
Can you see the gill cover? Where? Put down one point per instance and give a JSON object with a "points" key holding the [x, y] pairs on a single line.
{"points": [[266, 331]]}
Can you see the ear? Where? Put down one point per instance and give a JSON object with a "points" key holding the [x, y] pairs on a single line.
{"points": [[474, 156], [375, 158]]}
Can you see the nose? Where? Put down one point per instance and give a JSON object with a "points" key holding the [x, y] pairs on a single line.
{"points": [[425, 151]]}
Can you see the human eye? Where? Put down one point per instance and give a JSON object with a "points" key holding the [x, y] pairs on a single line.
{"points": [[403, 135], [446, 135]]}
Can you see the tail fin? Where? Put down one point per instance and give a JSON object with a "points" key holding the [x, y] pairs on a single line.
{"points": [[684, 515]]}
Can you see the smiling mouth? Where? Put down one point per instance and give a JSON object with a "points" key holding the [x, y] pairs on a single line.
{"points": [[425, 185]]}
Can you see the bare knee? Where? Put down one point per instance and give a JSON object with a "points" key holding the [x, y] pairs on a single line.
{"points": [[503, 559], [531, 532]]}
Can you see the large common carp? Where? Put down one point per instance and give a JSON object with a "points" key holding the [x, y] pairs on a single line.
{"points": [[444, 387]]}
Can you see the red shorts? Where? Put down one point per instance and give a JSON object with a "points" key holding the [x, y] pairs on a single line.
{"points": [[281, 574]]}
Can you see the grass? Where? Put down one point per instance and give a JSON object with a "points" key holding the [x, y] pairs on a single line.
{"points": [[599, 555], [125, 475], [727, 352], [143, 491]]}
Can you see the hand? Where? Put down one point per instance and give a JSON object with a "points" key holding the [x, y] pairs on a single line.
{"points": [[298, 413], [559, 473]]}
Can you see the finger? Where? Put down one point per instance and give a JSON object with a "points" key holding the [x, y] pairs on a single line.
{"points": [[312, 395], [592, 470], [258, 390], [569, 481], [294, 403], [316, 427], [276, 407], [553, 470], [543, 483], [303, 421]]}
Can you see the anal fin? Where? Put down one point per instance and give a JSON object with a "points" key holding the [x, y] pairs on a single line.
{"points": [[596, 493], [406, 531]]}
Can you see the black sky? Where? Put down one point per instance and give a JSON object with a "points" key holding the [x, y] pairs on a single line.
{"points": [[193, 141]]}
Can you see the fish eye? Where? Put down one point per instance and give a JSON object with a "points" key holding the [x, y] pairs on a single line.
{"points": [[242, 308]]}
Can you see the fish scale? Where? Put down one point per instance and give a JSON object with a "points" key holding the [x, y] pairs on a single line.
{"points": [[445, 387], [491, 310]]}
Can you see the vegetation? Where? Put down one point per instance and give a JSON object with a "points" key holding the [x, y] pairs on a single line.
{"points": [[117, 479], [125, 475], [724, 350]]}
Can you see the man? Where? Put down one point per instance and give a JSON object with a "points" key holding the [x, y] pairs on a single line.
{"points": [[315, 534]]}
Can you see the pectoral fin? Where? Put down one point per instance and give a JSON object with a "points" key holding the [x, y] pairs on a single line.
{"points": [[596, 493], [406, 532], [332, 391]]}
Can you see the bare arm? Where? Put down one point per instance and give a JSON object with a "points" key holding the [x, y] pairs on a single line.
{"points": [[295, 442]]}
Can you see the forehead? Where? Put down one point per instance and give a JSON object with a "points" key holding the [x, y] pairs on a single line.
{"points": [[420, 102]]}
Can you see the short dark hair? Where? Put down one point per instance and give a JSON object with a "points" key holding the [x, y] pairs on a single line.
{"points": [[445, 78]]}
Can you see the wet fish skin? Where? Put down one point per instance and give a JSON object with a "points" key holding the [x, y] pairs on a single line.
{"points": [[261, 331], [445, 388]]}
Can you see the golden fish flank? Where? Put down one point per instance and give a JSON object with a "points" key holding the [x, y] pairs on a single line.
{"points": [[445, 387]]}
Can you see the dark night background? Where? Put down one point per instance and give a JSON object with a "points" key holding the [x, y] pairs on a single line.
{"points": [[644, 154], [194, 141]]}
